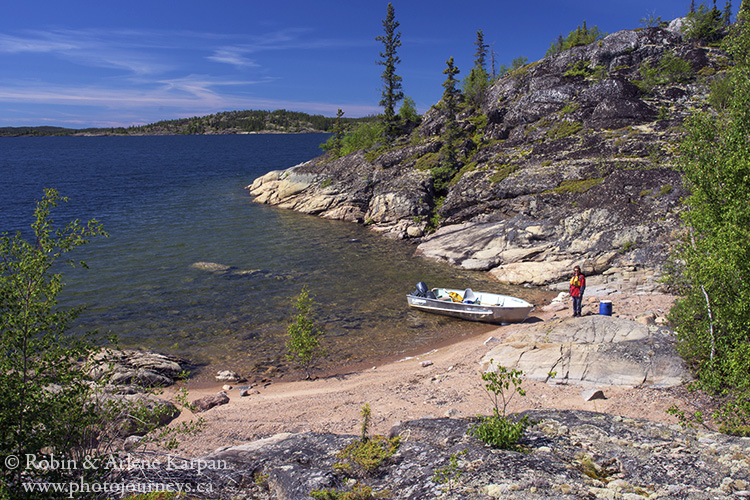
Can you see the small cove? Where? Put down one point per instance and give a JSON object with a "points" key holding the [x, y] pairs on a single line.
{"points": [[171, 202]]}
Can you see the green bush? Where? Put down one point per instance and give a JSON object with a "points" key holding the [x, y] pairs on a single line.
{"points": [[450, 475], [670, 69], [365, 455], [499, 430], [582, 35], [721, 93], [363, 136], [710, 267], [564, 129], [704, 25], [303, 342], [46, 406], [358, 492]]}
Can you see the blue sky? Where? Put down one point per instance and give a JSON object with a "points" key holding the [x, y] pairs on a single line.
{"points": [[83, 63]]}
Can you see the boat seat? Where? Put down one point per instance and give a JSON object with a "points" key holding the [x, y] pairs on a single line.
{"points": [[469, 296]]}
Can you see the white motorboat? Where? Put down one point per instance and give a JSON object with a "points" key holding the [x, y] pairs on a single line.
{"points": [[470, 305]]}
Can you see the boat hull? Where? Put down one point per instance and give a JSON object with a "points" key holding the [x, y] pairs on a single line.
{"points": [[512, 310]]}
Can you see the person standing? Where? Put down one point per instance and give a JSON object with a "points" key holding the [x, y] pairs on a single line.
{"points": [[577, 287]]}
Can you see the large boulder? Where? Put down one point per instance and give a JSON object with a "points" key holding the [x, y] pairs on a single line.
{"points": [[592, 350], [132, 366]]}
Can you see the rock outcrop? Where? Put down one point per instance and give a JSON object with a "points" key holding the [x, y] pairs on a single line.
{"points": [[567, 455], [570, 161], [132, 366], [592, 350]]}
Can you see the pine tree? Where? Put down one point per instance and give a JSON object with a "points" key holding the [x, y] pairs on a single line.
{"points": [[481, 54], [335, 142], [477, 81], [392, 92], [448, 158], [727, 17]]}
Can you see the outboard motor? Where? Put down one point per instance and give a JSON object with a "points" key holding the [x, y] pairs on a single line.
{"points": [[423, 291]]}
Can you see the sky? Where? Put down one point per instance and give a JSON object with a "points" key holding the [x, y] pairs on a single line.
{"points": [[102, 63]]}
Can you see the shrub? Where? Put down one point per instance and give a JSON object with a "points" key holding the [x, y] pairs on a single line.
{"points": [[50, 407], [502, 172], [582, 35], [367, 454], [303, 343], [721, 93], [358, 492], [46, 395], [499, 430], [450, 474], [670, 69], [363, 136], [704, 25]]}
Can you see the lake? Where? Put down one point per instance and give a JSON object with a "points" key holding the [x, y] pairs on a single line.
{"points": [[170, 202]]}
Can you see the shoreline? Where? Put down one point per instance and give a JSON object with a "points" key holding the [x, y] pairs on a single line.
{"points": [[439, 381]]}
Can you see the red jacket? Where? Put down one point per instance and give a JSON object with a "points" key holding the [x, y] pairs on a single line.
{"points": [[577, 285]]}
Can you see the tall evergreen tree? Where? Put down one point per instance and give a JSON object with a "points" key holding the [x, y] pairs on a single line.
{"points": [[450, 92], [392, 92], [448, 157], [692, 6], [477, 80], [727, 17], [480, 55]]}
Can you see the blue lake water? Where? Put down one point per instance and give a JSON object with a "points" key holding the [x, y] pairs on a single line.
{"points": [[170, 202]]}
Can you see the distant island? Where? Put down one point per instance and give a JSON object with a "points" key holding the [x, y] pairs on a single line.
{"points": [[227, 122]]}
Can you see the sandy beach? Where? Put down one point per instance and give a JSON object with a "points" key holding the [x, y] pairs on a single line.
{"points": [[440, 382]]}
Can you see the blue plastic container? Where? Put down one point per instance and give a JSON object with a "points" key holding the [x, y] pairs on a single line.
{"points": [[605, 308]]}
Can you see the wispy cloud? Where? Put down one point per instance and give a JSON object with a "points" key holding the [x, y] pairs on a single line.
{"points": [[234, 56], [91, 48], [11, 44], [286, 39], [152, 73], [189, 96]]}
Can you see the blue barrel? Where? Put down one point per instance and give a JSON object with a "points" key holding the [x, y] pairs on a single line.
{"points": [[605, 308]]}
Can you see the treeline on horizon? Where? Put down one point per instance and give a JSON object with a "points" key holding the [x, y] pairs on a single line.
{"points": [[227, 122]]}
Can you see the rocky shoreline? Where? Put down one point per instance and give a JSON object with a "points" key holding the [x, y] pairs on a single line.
{"points": [[601, 439], [561, 167]]}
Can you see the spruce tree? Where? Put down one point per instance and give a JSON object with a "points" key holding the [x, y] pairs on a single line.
{"points": [[392, 92], [727, 17], [477, 81], [448, 157], [481, 54]]}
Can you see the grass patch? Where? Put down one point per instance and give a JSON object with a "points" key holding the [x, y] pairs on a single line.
{"points": [[503, 172], [427, 162], [564, 129]]}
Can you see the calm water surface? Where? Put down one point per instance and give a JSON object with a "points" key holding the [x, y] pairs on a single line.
{"points": [[171, 202]]}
